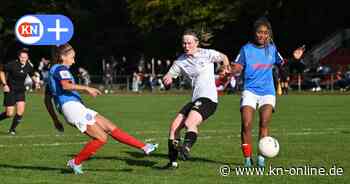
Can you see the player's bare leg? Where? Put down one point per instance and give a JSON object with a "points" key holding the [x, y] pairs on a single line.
{"points": [[174, 139], [9, 112], [20, 107], [247, 117], [99, 138], [193, 120], [265, 114], [119, 135]]}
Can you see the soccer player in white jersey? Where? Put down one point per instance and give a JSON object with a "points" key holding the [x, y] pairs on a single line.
{"points": [[63, 89], [197, 64], [255, 62]]}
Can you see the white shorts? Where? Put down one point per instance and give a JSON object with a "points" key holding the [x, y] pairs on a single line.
{"points": [[77, 114], [250, 99]]}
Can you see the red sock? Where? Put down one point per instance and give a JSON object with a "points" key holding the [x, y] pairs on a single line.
{"points": [[89, 150], [247, 150], [125, 138]]}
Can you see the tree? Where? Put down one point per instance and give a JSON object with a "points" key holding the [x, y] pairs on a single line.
{"points": [[203, 16]]}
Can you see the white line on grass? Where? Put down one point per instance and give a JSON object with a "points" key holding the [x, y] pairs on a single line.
{"points": [[153, 139], [304, 131], [42, 144]]}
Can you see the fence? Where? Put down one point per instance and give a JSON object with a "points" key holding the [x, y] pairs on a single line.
{"points": [[297, 82]]}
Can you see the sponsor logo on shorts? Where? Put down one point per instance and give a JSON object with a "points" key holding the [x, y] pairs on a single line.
{"points": [[197, 104]]}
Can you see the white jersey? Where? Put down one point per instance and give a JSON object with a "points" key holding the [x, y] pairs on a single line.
{"points": [[199, 68]]}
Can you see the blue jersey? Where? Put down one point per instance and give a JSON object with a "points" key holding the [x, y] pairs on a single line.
{"points": [[257, 67], [57, 73]]}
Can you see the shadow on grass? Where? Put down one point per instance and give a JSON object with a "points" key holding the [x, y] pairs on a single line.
{"points": [[345, 132], [192, 159], [129, 161], [46, 168]]}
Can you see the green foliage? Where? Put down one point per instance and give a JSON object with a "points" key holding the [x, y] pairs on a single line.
{"points": [[203, 16]]}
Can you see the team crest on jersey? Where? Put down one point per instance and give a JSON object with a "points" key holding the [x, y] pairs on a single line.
{"points": [[65, 74], [88, 117]]}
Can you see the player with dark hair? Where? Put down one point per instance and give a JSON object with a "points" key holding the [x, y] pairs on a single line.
{"points": [[63, 89], [197, 64], [12, 76], [255, 62]]}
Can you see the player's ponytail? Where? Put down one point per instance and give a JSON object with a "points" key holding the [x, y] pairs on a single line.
{"points": [[59, 51]]}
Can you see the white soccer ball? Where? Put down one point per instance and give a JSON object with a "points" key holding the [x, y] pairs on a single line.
{"points": [[269, 147]]}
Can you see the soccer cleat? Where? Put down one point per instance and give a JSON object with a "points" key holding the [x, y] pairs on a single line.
{"points": [[248, 162], [148, 148], [77, 169], [12, 132], [184, 153], [261, 161]]}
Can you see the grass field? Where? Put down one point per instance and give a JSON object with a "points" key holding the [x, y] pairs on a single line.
{"points": [[313, 131]]}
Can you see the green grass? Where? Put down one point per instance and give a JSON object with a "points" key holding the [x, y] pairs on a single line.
{"points": [[312, 130]]}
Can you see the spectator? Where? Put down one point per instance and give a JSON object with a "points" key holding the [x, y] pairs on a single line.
{"points": [[149, 79], [123, 66], [108, 77], [37, 82], [137, 79], [342, 80], [284, 77], [84, 76], [222, 81], [159, 72], [167, 65], [43, 68]]}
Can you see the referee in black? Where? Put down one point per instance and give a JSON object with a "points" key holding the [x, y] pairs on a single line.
{"points": [[12, 76]]}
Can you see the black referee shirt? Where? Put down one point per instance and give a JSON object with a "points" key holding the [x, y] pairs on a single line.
{"points": [[17, 73]]}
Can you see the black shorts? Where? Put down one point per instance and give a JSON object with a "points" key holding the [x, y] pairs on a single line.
{"points": [[204, 106], [12, 97]]}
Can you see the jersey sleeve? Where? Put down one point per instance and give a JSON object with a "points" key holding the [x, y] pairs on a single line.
{"points": [[215, 56], [278, 57], [62, 73], [174, 70], [241, 59]]}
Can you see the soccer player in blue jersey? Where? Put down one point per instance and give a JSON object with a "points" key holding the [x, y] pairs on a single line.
{"points": [[64, 91], [255, 62]]}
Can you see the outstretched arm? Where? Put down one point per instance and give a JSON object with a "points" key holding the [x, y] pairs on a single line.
{"points": [[49, 107], [173, 72], [68, 85]]}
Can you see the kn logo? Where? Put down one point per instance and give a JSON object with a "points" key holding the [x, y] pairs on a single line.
{"points": [[44, 29]]}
